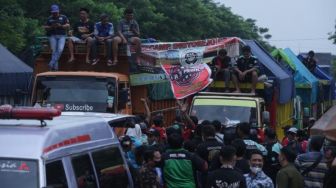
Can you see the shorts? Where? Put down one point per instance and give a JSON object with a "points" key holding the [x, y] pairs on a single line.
{"points": [[76, 39]]}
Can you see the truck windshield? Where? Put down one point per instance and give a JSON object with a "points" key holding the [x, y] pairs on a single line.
{"points": [[17, 173], [229, 112], [88, 94]]}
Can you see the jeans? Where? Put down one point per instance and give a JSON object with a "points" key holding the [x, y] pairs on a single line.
{"points": [[94, 47], [57, 45]]}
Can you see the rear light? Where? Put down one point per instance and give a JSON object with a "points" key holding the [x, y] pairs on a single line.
{"points": [[9, 112]]}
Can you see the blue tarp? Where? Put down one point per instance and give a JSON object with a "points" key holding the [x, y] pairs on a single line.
{"points": [[283, 80], [302, 75], [319, 73], [14, 74]]}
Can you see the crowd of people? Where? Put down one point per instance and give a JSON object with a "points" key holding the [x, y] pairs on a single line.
{"points": [[90, 33], [210, 155]]}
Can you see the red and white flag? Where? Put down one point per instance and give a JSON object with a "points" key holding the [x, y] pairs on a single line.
{"points": [[187, 80]]}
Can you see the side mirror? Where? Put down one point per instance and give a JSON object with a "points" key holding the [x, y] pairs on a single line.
{"points": [[266, 117], [306, 112]]}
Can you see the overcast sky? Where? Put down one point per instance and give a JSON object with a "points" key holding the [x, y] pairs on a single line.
{"points": [[301, 25]]}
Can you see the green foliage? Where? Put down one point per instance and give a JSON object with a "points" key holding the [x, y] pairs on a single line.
{"points": [[172, 20], [332, 36]]}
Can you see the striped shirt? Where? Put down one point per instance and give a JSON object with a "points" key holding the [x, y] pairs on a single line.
{"points": [[315, 177]]}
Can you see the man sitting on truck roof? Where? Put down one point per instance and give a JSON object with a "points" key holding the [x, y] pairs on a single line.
{"points": [[246, 70], [56, 31], [221, 63], [104, 33], [128, 32], [82, 32]]}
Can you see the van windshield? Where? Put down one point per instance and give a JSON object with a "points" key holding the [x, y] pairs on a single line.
{"points": [[228, 112], [17, 173], [70, 93]]}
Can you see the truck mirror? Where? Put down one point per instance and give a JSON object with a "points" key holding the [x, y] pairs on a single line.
{"points": [[306, 112], [122, 98], [266, 117]]}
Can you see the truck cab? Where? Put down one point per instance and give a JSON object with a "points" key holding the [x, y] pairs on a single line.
{"points": [[83, 91], [66, 152], [230, 109]]}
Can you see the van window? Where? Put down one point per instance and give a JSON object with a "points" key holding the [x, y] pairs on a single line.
{"points": [[16, 173], [56, 175], [84, 172], [110, 168]]}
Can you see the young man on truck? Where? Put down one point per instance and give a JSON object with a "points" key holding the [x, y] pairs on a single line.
{"points": [[246, 70]]}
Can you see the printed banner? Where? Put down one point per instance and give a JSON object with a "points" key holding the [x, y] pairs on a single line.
{"points": [[146, 67], [186, 81]]}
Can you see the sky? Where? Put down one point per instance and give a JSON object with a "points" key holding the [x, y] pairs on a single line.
{"points": [[301, 25]]}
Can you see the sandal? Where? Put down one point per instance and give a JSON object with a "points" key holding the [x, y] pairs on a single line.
{"points": [[95, 61], [109, 63]]}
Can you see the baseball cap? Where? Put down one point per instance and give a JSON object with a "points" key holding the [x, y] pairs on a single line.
{"points": [[54, 8], [154, 132], [293, 130]]}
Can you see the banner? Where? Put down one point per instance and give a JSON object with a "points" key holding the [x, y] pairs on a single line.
{"points": [[187, 80], [145, 68]]}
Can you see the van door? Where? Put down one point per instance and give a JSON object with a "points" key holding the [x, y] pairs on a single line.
{"points": [[103, 168], [55, 175]]}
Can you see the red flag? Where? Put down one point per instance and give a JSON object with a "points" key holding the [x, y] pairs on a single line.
{"points": [[186, 81]]}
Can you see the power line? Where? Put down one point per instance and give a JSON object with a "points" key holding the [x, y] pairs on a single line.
{"points": [[304, 39]]}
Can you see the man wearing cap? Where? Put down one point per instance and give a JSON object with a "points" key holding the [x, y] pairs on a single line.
{"points": [[293, 140], [56, 27], [246, 70], [103, 32]]}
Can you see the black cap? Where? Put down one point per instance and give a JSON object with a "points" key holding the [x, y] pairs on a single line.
{"points": [[154, 132]]}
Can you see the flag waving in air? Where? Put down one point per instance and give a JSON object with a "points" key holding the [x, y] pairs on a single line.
{"points": [[187, 80]]}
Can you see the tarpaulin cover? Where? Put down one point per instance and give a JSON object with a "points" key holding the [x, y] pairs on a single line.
{"points": [[326, 125], [14, 74], [302, 76], [283, 79]]}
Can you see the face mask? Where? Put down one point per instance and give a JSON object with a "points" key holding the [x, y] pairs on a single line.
{"points": [[255, 169]]}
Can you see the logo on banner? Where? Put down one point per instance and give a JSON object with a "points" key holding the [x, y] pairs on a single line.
{"points": [[183, 76], [186, 81], [192, 56]]}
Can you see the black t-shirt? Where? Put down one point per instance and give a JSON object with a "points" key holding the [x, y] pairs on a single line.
{"points": [[81, 28], [208, 149], [242, 166], [244, 64], [223, 63], [226, 177], [61, 19]]}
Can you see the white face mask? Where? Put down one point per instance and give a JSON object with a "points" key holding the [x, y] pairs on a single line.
{"points": [[255, 169]]}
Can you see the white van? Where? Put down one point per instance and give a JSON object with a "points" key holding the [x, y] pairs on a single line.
{"points": [[66, 152]]}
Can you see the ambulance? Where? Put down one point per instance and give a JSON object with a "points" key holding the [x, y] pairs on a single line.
{"points": [[40, 148]]}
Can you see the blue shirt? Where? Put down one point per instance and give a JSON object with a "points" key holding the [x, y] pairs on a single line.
{"points": [[61, 19], [260, 180], [105, 30]]}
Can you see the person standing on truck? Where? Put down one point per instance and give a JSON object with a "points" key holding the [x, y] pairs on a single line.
{"points": [[104, 33], [56, 27], [82, 33], [221, 63], [310, 61], [246, 70], [128, 32]]}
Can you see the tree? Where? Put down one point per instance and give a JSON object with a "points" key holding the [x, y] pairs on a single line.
{"points": [[332, 36], [172, 20]]}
